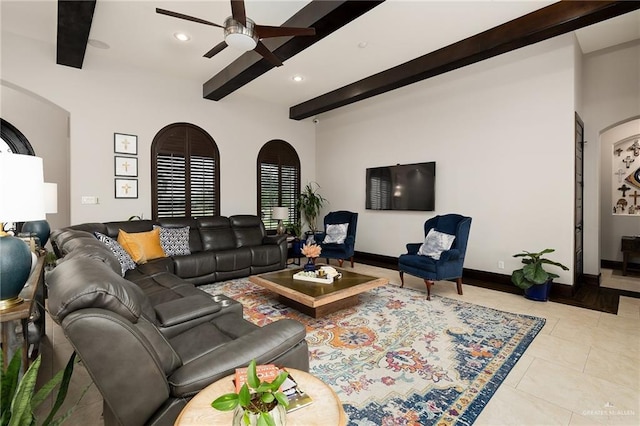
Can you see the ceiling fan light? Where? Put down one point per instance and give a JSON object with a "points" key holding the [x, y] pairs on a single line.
{"points": [[239, 36]]}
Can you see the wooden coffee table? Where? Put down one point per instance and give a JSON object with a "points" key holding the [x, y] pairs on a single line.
{"points": [[316, 299], [326, 408]]}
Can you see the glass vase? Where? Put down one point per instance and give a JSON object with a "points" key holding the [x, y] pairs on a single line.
{"points": [[278, 414], [310, 265]]}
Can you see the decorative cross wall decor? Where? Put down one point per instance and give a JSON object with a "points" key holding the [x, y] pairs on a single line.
{"points": [[623, 201]]}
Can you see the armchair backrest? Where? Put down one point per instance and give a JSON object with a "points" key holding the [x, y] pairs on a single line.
{"points": [[343, 216], [453, 224]]}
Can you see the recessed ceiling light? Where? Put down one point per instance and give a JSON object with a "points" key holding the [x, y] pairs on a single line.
{"points": [[181, 36], [362, 44], [98, 44], [297, 78]]}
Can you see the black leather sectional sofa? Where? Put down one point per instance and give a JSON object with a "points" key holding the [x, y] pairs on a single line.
{"points": [[151, 340]]}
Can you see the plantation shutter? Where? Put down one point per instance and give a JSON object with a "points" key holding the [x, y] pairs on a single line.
{"points": [[185, 172], [278, 181]]}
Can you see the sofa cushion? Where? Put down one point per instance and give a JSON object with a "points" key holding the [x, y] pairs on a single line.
{"points": [[174, 241], [113, 228], [248, 230], [195, 265], [142, 246], [216, 233], [233, 260], [97, 252], [126, 262]]}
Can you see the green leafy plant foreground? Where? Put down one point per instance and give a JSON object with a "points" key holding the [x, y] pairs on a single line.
{"points": [[18, 398], [255, 397], [533, 272]]}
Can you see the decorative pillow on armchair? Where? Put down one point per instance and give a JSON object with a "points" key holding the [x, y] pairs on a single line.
{"points": [[335, 233], [435, 243]]}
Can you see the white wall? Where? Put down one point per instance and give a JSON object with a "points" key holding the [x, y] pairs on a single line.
{"points": [[102, 100], [611, 88], [502, 135], [45, 125]]}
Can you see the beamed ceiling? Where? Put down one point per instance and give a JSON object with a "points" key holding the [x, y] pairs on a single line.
{"points": [[328, 17]]}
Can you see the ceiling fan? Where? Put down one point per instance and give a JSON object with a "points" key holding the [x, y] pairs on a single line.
{"points": [[242, 33]]}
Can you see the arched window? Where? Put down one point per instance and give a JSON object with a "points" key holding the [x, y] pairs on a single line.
{"points": [[12, 140], [278, 182], [185, 172]]}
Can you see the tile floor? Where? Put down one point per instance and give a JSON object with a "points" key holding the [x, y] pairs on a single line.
{"points": [[582, 369]]}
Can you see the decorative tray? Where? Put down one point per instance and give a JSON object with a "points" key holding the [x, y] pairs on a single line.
{"points": [[313, 277]]}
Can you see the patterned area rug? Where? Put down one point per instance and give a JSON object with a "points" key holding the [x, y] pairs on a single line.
{"points": [[398, 359]]}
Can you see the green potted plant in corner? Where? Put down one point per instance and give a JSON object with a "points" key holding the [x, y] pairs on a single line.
{"points": [[19, 400], [309, 204], [532, 277], [257, 403]]}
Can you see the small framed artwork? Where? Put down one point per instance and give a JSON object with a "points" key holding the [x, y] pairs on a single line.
{"points": [[125, 144], [126, 188], [126, 166]]}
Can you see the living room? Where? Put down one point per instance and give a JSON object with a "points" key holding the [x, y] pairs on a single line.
{"points": [[501, 132]]}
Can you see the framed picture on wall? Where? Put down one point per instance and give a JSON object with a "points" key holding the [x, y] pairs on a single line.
{"points": [[126, 188], [125, 144], [126, 166]]}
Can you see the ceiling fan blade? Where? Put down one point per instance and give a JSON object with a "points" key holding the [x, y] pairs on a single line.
{"points": [[267, 54], [216, 49], [266, 31], [238, 12], [187, 17]]}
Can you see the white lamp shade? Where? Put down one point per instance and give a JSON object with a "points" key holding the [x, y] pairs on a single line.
{"points": [[280, 213], [21, 188], [50, 197]]}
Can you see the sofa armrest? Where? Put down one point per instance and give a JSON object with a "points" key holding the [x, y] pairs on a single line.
{"points": [[263, 344], [412, 248], [185, 309], [274, 239]]}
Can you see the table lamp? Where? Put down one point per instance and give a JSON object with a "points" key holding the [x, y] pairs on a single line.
{"points": [[280, 213], [21, 199], [41, 228]]}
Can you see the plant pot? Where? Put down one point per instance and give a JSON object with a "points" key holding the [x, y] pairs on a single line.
{"points": [[538, 292], [278, 414]]}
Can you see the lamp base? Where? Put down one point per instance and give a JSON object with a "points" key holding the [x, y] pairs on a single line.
{"points": [[10, 303], [280, 229]]}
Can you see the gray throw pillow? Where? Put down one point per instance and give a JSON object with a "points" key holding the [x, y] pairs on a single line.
{"points": [[174, 241], [335, 233], [126, 262], [435, 243]]}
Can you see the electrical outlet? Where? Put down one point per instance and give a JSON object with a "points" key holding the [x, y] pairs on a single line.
{"points": [[500, 264]]}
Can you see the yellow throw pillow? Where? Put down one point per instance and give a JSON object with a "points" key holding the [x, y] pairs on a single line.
{"points": [[142, 246]]}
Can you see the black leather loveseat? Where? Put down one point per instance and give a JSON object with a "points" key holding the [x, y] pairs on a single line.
{"points": [[151, 340]]}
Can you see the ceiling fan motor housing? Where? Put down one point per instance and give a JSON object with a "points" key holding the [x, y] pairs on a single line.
{"points": [[240, 36]]}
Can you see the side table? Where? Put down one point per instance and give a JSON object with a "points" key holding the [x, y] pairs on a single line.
{"points": [[33, 294], [326, 408], [629, 246]]}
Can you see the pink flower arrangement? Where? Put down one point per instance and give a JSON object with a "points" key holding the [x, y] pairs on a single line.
{"points": [[311, 250]]}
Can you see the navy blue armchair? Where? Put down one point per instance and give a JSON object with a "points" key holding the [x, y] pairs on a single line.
{"points": [[450, 264], [335, 250]]}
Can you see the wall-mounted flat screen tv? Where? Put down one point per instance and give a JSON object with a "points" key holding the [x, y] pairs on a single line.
{"points": [[402, 187]]}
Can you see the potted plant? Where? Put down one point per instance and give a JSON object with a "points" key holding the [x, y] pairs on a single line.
{"points": [[309, 204], [257, 403], [19, 400], [532, 278]]}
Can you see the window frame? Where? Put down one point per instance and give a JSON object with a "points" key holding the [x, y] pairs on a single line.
{"points": [[195, 141], [282, 154]]}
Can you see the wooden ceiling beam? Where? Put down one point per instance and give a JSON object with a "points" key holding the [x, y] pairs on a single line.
{"points": [[325, 16], [553, 20], [74, 23]]}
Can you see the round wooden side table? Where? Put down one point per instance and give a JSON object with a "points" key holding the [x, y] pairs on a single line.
{"points": [[326, 408]]}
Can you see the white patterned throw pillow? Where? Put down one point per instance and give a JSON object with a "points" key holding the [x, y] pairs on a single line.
{"points": [[435, 243], [174, 241], [335, 233], [126, 262]]}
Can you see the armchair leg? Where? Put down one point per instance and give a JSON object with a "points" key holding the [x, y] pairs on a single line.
{"points": [[429, 283], [459, 285], [340, 262], [401, 279], [351, 258]]}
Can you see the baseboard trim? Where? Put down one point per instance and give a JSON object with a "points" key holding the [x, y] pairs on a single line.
{"points": [[614, 264], [592, 280]]}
